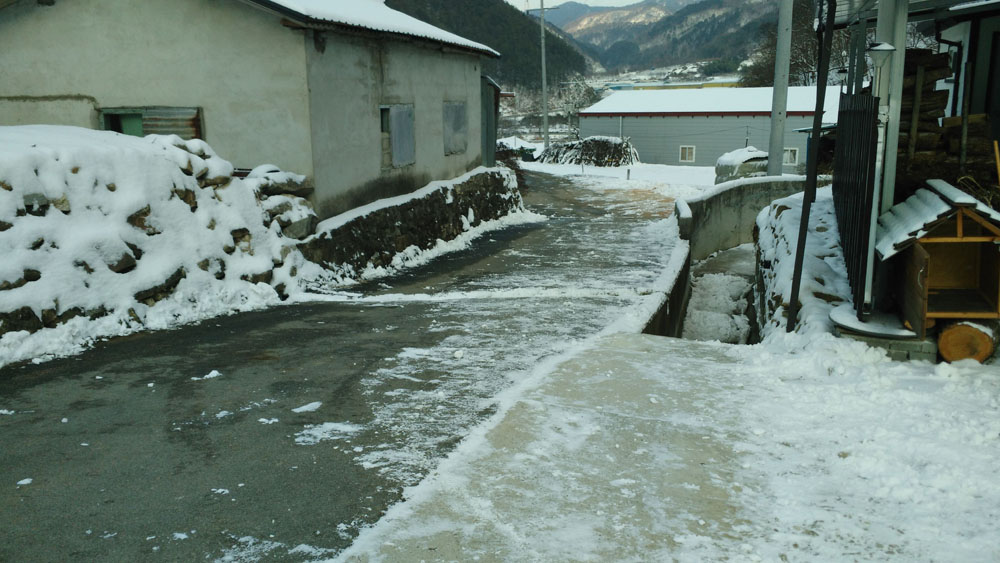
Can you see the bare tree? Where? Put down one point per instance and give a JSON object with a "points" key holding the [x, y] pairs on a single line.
{"points": [[804, 52]]}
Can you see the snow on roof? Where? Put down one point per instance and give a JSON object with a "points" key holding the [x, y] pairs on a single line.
{"points": [[373, 15], [912, 219], [970, 5], [801, 99]]}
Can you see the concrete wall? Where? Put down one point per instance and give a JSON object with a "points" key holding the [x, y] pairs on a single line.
{"points": [[346, 133], [658, 139], [725, 217], [61, 63]]}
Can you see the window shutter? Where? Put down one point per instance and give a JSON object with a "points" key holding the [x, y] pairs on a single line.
{"points": [[404, 150], [456, 128]]}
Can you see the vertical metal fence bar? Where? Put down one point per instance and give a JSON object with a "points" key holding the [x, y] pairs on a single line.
{"points": [[854, 184]]}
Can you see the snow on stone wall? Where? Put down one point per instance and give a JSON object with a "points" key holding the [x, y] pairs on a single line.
{"points": [[824, 273], [383, 236], [104, 234], [136, 231]]}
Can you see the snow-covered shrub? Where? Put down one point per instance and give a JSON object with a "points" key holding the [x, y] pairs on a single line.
{"points": [[741, 163], [137, 231], [593, 151]]}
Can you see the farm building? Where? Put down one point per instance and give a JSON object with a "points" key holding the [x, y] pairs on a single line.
{"points": [[338, 91], [697, 126]]}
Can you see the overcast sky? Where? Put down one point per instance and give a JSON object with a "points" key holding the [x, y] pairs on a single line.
{"points": [[522, 4]]}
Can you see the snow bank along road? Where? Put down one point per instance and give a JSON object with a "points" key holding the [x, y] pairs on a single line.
{"points": [[278, 434]]}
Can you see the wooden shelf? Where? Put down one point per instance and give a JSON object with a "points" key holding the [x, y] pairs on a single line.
{"points": [[965, 303]]}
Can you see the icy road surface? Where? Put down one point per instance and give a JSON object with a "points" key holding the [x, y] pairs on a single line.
{"points": [[278, 434]]}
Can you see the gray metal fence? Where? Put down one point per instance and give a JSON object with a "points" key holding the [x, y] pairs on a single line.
{"points": [[854, 185]]}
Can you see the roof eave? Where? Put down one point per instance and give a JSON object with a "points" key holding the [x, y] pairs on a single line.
{"points": [[292, 19]]}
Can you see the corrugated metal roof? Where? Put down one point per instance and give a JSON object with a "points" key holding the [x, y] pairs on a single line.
{"points": [[850, 11], [372, 15], [713, 101]]}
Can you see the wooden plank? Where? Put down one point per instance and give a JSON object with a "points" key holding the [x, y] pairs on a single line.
{"points": [[915, 119], [989, 273], [996, 155], [961, 315], [914, 298], [952, 266], [957, 239], [986, 224]]}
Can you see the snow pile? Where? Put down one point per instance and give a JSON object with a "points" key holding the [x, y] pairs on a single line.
{"points": [[739, 156], [862, 456], [520, 146], [824, 273], [595, 151], [716, 309], [741, 163], [105, 234]]}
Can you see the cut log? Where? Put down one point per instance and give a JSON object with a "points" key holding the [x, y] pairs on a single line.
{"points": [[925, 141], [967, 340], [926, 59], [938, 99], [978, 146], [930, 78], [979, 125]]}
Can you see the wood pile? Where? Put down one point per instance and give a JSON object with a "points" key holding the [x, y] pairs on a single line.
{"points": [[930, 144]]}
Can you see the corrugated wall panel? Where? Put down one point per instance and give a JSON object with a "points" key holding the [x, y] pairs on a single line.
{"points": [[183, 122], [658, 139]]}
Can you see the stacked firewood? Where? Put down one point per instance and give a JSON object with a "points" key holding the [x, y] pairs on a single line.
{"points": [[933, 148]]}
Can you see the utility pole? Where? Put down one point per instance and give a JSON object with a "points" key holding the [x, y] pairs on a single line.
{"points": [[779, 97], [545, 88]]}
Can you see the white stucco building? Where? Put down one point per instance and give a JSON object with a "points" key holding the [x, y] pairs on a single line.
{"points": [[367, 101], [695, 126]]}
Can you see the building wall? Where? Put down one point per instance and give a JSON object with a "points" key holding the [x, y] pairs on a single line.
{"points": [[62, 63], [347, 135], [989, 32], [659, 139]]}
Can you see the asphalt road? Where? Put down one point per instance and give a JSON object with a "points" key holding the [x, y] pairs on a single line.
{"points": [[133, 454]]}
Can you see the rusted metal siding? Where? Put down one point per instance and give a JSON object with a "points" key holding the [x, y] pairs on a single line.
{"points": [[185, 122]]}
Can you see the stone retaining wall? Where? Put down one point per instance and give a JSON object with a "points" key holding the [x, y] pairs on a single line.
{"points": [[376, 237]]}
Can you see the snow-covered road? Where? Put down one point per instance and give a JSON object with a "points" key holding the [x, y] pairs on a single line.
{"points": [[280, 433]]}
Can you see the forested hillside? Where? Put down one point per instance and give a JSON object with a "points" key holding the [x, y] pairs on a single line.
{"points": [[507, 30]]}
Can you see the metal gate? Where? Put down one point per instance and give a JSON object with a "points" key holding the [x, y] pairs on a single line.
{"points": [[854, 186]]}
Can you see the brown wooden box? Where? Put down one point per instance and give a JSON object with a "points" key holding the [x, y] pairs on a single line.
{"points": [[945, 246]]}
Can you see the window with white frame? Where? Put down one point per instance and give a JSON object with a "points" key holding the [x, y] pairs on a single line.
{"points": [[791, 156], [687, 153]]}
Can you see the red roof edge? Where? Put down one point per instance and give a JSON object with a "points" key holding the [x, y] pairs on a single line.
{"points": [[697, 114]]}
